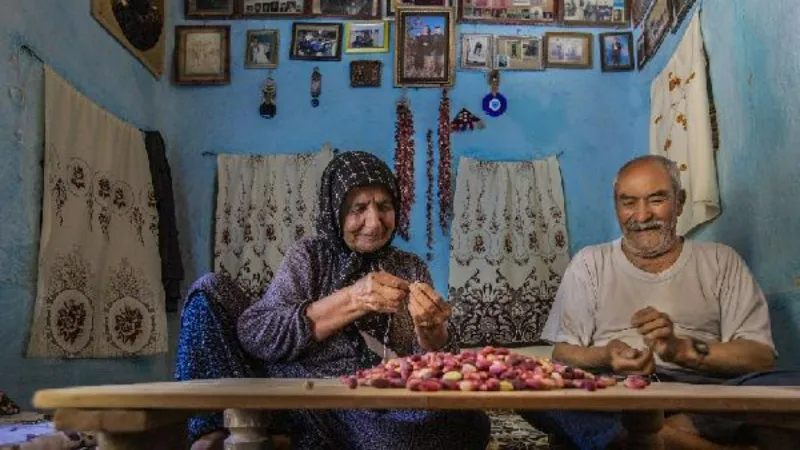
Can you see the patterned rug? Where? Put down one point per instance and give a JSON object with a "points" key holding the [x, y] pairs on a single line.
{"points": [[512, 432]]}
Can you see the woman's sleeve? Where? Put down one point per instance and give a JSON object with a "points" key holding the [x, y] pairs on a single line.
{"points": [[276, 328]]}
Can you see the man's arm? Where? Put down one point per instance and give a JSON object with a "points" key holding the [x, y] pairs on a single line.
{"points": [[589, 358], [616, 356], [736, 357]]}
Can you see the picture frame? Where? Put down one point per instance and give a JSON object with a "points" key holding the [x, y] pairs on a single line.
{"points": [[657, 23], [565, 50], [366, 37], [596, 13], [316, 41], [477, 51], [365, 73], [641, 51], [518, 53], [616, 51], [202, 54], [209, 9], [389, 5], [526, 12], [273, 8], [262, 48], [680, 8], [144, 37], [424, 46], [638, 10], [351, 9]]}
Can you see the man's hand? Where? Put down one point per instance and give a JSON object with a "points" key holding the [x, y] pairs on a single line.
{"points": [[626, 360], [658, 332]]}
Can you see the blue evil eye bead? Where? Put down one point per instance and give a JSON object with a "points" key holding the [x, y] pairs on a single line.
{"points": [[494, 104], [314, 102]]}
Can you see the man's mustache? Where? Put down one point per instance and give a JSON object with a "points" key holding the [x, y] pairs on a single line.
{"points": [[653, 224]]}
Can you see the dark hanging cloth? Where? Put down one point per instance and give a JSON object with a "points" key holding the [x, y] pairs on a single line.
{"points": [[171, 265]]}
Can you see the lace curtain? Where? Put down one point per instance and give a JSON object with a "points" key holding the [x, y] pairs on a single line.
{"points": [[264, 204], [509, 250]]}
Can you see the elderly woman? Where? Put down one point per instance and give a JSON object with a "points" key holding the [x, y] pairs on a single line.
{"points": [[345, 299]]}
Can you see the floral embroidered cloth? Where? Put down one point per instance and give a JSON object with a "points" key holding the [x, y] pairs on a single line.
{"points": [[681, 130], [509, 249], [99, 291]]}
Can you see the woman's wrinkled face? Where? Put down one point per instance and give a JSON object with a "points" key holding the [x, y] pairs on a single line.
{"points": [[367, 218]]}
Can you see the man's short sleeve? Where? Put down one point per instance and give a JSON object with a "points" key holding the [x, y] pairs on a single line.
{"points": [[743, 308], [571, 319]]}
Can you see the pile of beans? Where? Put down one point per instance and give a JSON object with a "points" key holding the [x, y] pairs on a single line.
{"points": [[490, 369]]}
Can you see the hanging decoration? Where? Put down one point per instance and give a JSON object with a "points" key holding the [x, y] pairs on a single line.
{"points": [[316, 87], [466, 121], [494, 103], [404, 163], [269, 92], [445, 184], [429, 197]]}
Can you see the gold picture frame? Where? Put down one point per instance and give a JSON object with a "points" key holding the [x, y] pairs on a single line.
{"points": [[425, 47], [568, 50], [143, 35], [366, 36], [202, 54]]}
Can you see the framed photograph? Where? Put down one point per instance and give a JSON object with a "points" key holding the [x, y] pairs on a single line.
{"points": [[641, 51], [366, 37], [519, 12], [141, 32], [316, 41], [261, 51], [388, 5], [638, 10], [518, 53], [679, 10], [208, 9], [657, 23], [569, 50], [273, 8], [477, 51], [596, 12], [202, 54], [616, 51], [350, 9], [424, 47], [365, 73]]}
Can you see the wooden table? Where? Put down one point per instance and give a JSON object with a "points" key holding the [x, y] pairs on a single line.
{"points": [[145, 416]]}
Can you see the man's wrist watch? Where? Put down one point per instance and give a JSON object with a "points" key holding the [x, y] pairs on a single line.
{"points": [[701, 348]]}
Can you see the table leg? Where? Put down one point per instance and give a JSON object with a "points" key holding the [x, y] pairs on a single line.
{"points": [[172, 436], [643, 428], [248, 430]]}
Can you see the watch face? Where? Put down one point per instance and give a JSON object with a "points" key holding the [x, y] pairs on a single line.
{"points": [[700, 347]]}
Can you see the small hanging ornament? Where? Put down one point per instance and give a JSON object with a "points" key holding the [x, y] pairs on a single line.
{"points": [[466, 121], [316, 87], [494, 103], [269, 92]]}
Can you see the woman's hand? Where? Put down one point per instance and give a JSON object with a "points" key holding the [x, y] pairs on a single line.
{"points": [[379, 292], [427, 308]]}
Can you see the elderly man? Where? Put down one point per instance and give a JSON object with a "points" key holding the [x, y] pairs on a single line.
{"points": [[655, 302]]}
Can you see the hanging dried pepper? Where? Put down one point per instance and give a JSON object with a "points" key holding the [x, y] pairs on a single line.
{"points": [[404, 164], [445, 157], [429, 197]]}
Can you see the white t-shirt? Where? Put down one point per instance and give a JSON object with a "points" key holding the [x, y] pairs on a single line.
{"points": [[709, 293]]}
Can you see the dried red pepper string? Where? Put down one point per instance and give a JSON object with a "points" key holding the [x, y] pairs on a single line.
{"points": [[445, 156], [404, 164], [429, 196]]}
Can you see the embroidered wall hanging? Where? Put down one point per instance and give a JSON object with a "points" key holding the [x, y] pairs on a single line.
{"points": [[365, 73]]}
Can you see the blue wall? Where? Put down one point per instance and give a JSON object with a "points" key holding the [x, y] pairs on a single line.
{"points": [[63, 34]]}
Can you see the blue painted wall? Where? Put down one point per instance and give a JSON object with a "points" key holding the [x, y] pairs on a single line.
{"points": [[64, 35]]}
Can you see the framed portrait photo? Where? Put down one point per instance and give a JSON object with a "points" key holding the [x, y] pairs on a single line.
{"points": [[596, 13], [261, 49], [616, 51], [638, 10], [568, 50], [424, 47], [202, 54], [477, 51], [209, 9], [657, 23], [350, 9], [142, 31], [518, 53], [366, 37], [316, 41], [641, 51], [510, 12], [273, 8]]}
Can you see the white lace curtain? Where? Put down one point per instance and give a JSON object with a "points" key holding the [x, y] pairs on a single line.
{"points": [[509, 250], [264, 204]]}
